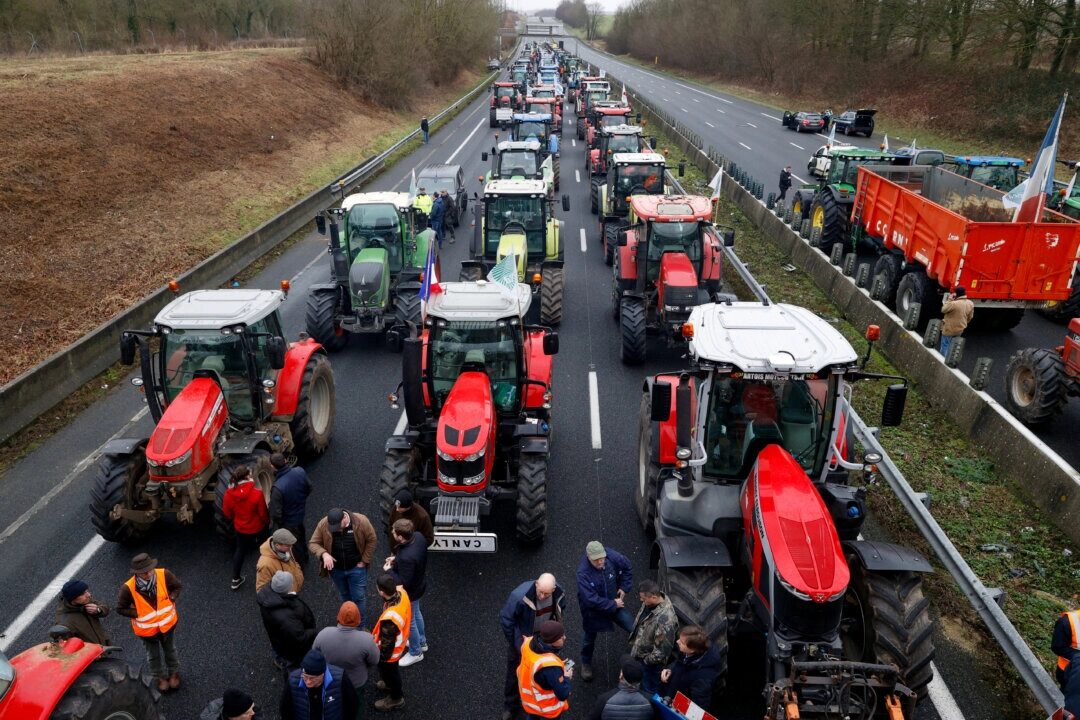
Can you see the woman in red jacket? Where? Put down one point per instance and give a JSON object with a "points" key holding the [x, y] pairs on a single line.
{"points": [[245, 505]]}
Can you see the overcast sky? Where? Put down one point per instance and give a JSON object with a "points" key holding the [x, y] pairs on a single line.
{"points": [[534, 5]]}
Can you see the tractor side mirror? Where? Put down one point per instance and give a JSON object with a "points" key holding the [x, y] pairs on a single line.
{"points": [[892, 410], [661, 402], [566, 203], [128, 345], [729, 238], [682, 168], [320, 224], [551, 343], [652, 142], [483, 157], [638, 116], [275, 352], [621, 238]]}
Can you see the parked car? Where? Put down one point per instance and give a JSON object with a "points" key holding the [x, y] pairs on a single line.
{"points": [[856, 122], [804, 121], [450, 178], [493, 64]]}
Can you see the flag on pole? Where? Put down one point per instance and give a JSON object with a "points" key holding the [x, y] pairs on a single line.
{"points": [[430, 285], [714, 185], [912, 144], [504, 274], [412, 185], [885, 145], [624, 99], [1029, 197], [1069, 187], [831, 140]]}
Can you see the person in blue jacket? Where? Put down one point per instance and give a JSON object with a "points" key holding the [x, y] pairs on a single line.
{"points": [[604, 577], [435, 219], [288, 502]]}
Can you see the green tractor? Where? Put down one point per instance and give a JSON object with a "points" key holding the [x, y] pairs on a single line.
{"points": [[521, 160], [377, 260], [516, 217]]}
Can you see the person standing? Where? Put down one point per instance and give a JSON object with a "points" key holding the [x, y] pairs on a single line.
{"points": [[958, 311], [422, 205], [785, 181], [603, 579], [392, 637], [696, 670], [288, 620], [450, 214], [406, 508], [424, 128], [438, 213], [275, 555], [543, 676], [1065, 643], [408, 565], [344, 543], [288, 502], [318, 690], [232, 705], [653, 638], [528, 606], [81, 614], [350, 648], [245, 506], [626, 701], [149, 599]]}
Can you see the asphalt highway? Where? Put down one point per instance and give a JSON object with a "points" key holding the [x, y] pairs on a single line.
{"points": [[46, 536], [750, 134]]}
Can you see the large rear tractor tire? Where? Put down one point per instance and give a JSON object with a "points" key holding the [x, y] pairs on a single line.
{"points": [[555, 167], [320, 319], [531, 518], [648, 471], [399, 472], [313, 422], [632, 325], [829, 215], [887, 620], [118, 481], [551, 296], [1036, 385], [109, 689], [698, 597], [261, 470], [1067, 309], [594, 196]]}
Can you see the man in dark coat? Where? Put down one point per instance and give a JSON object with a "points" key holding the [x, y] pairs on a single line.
{"points": [[785, 181], [319, 690], [408, 566], [696, 670], [405, 507], [437, 217], [288, 502], [80, 613], [604, 577], [232, 705], [288, 620], [528, 606], [625, 702], [425, 128]]}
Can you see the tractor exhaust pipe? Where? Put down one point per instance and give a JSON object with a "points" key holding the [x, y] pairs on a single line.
{"points": [[682, 414], [337, 255], [412, 389], [149, 388]]}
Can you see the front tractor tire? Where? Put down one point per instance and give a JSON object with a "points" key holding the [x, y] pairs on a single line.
{"points": [[645, 493], [594, 196], [632, 326], [1036, 386], [407, 310], [262, 472], [313, 422], [109, 689], [531, 518], [119, 481], [552, 283], [611, 237], [321, 319], [697, 594], [399, 472]]}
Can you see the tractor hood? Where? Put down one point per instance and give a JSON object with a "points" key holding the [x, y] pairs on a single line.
{"points": [[43, 674], [182, 442], [466, 428], [369, 277], [514, 243], [677, 282]]}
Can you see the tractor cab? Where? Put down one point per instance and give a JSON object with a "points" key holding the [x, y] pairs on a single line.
{"points": [[844, 171], [821, 161], [605, 114], [591, 91], [546, 106], [616, 139], [1002, 173], [521, 161], [633, 173], [535, 127], [506, 94], [543, 90]]}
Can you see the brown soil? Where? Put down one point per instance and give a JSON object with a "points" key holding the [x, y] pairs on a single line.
{"points": [[119, 172]]}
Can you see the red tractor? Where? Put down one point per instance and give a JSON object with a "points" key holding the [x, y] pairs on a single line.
{"points": [[68, 679], [609, 141], [602, 114], [546, 106], [223, 389], [506, 99], [477, 393], [666, 262], [1039, 381], [743, 481], [630, 174]]}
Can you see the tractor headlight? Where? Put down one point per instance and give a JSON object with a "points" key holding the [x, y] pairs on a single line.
{"points": [[152, 463], [446, 479], [177, 460], [445, 456], [474, 479], [474, 456]]}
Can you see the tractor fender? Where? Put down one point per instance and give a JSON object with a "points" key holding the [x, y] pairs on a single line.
{"points": [[402, 442], [322, 286], [408, 285], [806, 200], [841, 199], [887, 557], [552, 264], [124, 446], [290, 377], [245, 443], [664, 441], [692, 551]]}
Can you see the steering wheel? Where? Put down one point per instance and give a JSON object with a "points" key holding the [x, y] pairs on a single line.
{"points": [[638, 189], [376, 242], [516, 225]]}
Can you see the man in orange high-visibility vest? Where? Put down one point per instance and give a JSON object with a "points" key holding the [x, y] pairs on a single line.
{"points": [[1065, 643], [149, 598], [543, 677], [392, 636]]}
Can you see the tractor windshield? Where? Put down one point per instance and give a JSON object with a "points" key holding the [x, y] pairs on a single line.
{"points": [[545, 94], [639, 180], [518, 163], [1002, 177], [746, 415], [375, 225], [505, 92], [184, 352], [845, 170], [510, 213], [624, 143], [454, 345], [531, 131], [678, 237], [536, 107], [613, 120]]}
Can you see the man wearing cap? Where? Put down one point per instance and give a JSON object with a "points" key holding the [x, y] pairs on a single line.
{"points": [[406, 509], [288, 503], [543, 676], [275, 555], [408, 565], [318, 690], [344, 543], [957, 312], [350, 648], [528, 606], [288, 620], [392, 637], [604, 577], [81, 614], [149, 598], [232, 705], [626, 701]]}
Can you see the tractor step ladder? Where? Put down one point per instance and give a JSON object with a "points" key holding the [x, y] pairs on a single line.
{"points": [[452, 511], [860, 200]]}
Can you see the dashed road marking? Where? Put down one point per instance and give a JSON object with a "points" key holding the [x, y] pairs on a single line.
{"points": [[709, 124], [750, 148], [584, 246], [721, 111], [771, 117], [752, 125], [684, 110], [594, 409], [577, 176], [798, 146]]}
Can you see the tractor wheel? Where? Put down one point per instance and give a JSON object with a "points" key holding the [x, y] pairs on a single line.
{"points": [[551, 296], [321, 322], [611, 236], [698, 597], [117, 482], [261, 470], [887, 620], [616, 304], [1036, 385], [399, 472], [531, 519], [313, 421], [1067, 309], [648, 471], [407, 310], [470, 273], [915, 287], [632, 324], [581, 128], [555, 164], [594, 196], [492, 122], [886, 279], [109, 689], [827, 214]]}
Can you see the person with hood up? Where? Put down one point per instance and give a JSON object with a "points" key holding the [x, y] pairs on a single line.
{"points": [[80, 613], [288, 620], [232, 705], [275, 555], [695, 671], [244, 505], [350, 648]]}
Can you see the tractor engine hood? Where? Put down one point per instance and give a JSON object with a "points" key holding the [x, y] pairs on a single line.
{"points": [[182, 443], [514, 243], [369, 277], [465, 434], [678, 283]]}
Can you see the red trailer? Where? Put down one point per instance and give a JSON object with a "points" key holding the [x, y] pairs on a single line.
{"points": [[935, 230]]}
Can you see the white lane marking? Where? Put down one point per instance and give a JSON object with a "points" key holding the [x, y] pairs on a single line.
{"points": [[573, 142], [594, 409], [47, 597], [577, 176], [75, 472], [709, 124], [750, 148], [665, 99], [721, 111], [943, 699], [307, 267], [678, 93], [695, 100], [752, 125], [771, 117], [684, 110], [402, 421], [798, 146], [714, 97], [583, 245], [462, 145]]}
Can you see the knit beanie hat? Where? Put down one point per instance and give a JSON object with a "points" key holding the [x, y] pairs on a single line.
{"points": [[349, 614], [313, 663], [73, 589], [282, 582], [551, 631], [631, 670], [235, 703]]}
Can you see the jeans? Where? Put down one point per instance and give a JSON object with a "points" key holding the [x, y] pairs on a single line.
{"points": [[425, 136], [650, 679], [417, 635], [243, 545], [622, 618], [391, 675], [437, 226], [351, 585], [158, 645], [946, 343], [511, 696]]}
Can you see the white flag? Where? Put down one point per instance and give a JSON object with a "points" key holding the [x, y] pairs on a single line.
{"points": [[885, 145], [912, 144], [1011, 200], [505, 275], [1069, 187], [714, 185], [831, 140], [412, 186], [625, 101]]}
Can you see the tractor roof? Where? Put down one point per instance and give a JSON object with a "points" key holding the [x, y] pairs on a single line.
{"points": [[505, 83], [437, 170], [213, 309], [540, 100], [858, 152], [478, 300], [761, 338], [1000, 160], [623, 129], [400, 199], [672, 208], [516, 187], [532, 117], [610, 107], [647, 158], [533, 145]]}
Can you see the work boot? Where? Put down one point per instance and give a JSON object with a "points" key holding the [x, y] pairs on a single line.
{"points": [[237, 582], [174, 681], [386, 704], [586, 672]]}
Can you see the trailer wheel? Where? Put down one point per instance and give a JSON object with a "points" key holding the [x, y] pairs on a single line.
{"points": [[531, 519], [648, 471], [320, 319], [698, 598], [632, 324], [399, 472], [886, 619], [261, 470], [313, 421], [915, 287], [117, 482], [551, 296], [991, 320], [1036, 385], [109, 689], [886, 279]]}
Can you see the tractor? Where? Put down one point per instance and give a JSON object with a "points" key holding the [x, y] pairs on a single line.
{"points": [[547, 106], [476, 386], [1039, 381], [1001, 173], [743, 482], [68, 679], [375, 271], [223, 390], [521, 161], [591, 91], [611, 140], [515, 217], [665, 263], [506, 98], [603, 113], [631, 174], [536, 127]]}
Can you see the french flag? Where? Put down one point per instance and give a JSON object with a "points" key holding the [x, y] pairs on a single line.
{"points": [[1041, 182], [430, 285]]}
